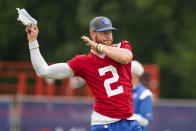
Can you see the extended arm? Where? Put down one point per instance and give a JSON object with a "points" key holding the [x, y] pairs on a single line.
{"points": [[55, 71]]}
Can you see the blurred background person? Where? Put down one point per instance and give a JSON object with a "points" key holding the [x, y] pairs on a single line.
{"points": [[142, 97]]}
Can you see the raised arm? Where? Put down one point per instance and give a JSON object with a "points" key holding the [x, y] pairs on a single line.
{"points": [[120, 55], [123, 56], [55, 71]]}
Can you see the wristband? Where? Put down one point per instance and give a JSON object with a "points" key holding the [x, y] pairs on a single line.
{"points": [[99, 47], [33, 45]]}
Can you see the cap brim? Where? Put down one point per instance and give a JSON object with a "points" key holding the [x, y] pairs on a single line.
{"points": [[107, 28]]}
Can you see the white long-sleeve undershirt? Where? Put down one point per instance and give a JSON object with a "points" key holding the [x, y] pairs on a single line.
{"points": [[54, 71]]}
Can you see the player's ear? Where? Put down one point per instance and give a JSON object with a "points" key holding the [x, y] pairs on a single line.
{"points": [[92, 34]]}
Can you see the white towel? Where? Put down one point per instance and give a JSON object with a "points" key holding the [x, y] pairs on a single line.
{"points": [[25, 18]]}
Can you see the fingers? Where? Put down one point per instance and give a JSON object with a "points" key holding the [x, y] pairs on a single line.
{"points": [[27, 29], [34, 27], [89, 42], [32, 32], [31, 28], [86, 39], [83, 37]]}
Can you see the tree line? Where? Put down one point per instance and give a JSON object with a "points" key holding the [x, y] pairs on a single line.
{"points": [[160, 32]]}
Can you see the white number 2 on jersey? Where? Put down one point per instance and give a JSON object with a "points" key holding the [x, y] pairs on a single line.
{"points": [[109, 81]]}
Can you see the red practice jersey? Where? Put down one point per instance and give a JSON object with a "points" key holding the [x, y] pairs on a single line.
{"points": [[109, 81]]}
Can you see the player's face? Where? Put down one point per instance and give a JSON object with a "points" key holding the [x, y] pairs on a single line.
{"points": [[104, 37]]}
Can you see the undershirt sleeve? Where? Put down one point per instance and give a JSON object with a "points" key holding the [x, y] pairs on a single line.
{"points": [[54, 71]]}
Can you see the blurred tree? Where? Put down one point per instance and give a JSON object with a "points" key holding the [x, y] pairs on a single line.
{"points": [[160, 32]]}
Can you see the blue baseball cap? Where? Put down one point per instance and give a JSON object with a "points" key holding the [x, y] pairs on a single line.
{"points": [[101, 23]]}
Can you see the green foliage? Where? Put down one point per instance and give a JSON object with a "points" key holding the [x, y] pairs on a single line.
{"points": [[161, 32]]}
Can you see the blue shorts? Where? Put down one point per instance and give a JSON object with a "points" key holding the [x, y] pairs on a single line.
{"points": [[122, 125]]}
